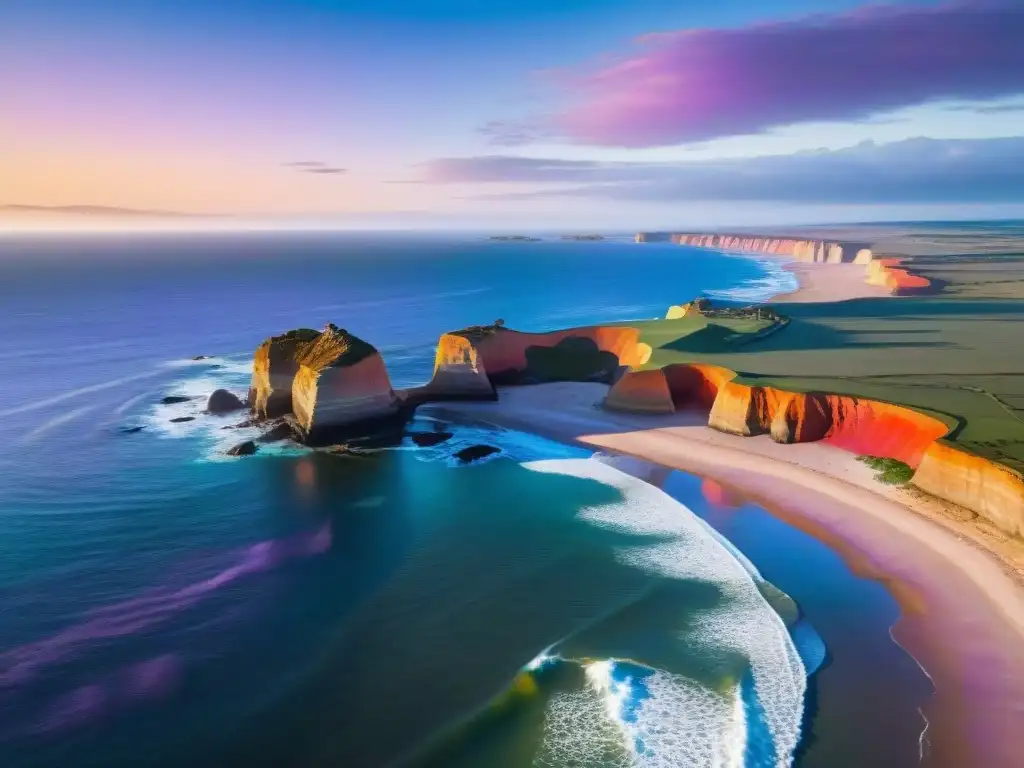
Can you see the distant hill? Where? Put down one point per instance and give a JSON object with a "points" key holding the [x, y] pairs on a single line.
{"points": [[91, 210]]}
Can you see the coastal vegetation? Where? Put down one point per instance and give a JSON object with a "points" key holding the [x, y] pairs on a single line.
{"points": [[953, 355], [888, 471]]}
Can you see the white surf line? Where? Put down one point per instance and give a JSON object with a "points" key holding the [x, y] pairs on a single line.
{"points": [[55, 422], [36, 405], [132, 401]]}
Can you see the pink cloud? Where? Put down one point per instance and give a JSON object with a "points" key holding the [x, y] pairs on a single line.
{"points": [[701, 84]]}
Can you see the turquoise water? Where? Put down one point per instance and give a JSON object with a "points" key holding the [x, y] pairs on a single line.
{"points": [[164, 605]]}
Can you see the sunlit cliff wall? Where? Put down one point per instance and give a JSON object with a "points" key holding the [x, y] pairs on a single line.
{"points": [[858, 425], [469, 362]]}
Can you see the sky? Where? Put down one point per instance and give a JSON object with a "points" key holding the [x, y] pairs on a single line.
{"points": [[604, 114]]}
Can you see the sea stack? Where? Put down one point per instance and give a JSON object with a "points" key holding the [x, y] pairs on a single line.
{"points": [[341, 387], [273, 370]]}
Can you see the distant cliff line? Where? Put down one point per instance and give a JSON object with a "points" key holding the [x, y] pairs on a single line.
{"points": [[801, 249]]}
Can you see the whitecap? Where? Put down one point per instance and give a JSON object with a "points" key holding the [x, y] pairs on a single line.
{"points": [[670, 721], [776, 281], [55, 422]]}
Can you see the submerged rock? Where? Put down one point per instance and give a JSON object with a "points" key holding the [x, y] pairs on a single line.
{"points": [[172, 399], [201, 357], [181, 419], [474, 452], [282, 431], [427, 439], [248, 448], [131, 430], [222, 401]]}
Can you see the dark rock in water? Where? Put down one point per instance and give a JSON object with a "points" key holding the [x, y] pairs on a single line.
{"points": [[475, 452], [201, 357], [222, 401], [282, 431], [172, 399], [215, 367], [248, 448], [426, 439], [241, 424], [131, 430], [180, 419]]}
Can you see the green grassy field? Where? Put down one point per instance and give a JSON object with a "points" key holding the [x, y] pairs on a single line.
{"points": [[957, 354]]}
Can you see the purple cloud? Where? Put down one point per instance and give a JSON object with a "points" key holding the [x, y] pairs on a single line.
{"points": [[910, 171], [701, 84]]}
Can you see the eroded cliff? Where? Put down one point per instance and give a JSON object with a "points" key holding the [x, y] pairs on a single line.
{"points": [[341, 382], [471, 361], [822, 251], [859, 425], [273, 369]]}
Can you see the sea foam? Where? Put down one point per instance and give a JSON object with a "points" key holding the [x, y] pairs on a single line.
{"points": [[680, 722]]}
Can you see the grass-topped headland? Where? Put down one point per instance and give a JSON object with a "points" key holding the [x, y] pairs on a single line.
{"points": [[934, 380]]}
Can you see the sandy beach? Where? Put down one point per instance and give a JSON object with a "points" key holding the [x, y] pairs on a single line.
{"points": [[829, 282], [962, 607]]}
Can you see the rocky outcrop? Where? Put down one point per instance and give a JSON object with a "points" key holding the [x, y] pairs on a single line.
{"points": [[695, 307], [475, 453], [341, 385], [991, 490], [641, 392], [273, 370], [469, 363], [888, 274], [221, 401], [173, 399], [248, 448]]}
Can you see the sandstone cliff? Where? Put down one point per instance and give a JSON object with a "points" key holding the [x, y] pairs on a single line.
{"points": [[888, 274], [822, 251], [341, 382], [273, 368], [858, 425], [471, 361], [991, 490], [885, 272]]}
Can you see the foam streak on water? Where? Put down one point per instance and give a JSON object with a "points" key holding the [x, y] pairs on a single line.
{"points": [[683, 723]]}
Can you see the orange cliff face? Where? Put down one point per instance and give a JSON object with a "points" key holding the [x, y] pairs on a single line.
{"points": [[341, 381], [900, 282], [861, 426], [469, 362], [666, 390], [273, 368], [994, 492]]}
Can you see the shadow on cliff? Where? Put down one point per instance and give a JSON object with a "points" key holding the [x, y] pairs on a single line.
{"points": [[801, 335], [575, 358]]}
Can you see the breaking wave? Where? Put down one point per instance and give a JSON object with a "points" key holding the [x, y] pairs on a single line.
{"points": [[776, 281], [659, 717]]}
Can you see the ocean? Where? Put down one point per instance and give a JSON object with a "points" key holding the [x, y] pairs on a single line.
{"points": [[163, 604]]}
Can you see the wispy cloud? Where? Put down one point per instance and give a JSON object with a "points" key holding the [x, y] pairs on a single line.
{"points": [[909, 171], [315, 166], [702, 84], [988, 109]]}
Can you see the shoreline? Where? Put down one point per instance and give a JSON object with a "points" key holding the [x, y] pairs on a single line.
{"points": [[961, 608]]}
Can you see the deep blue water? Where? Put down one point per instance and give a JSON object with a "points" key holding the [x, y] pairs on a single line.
{"points": [[164, 605]]}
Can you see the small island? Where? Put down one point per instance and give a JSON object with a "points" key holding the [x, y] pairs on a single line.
{"points": [[583, 237], [514, 239]]}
